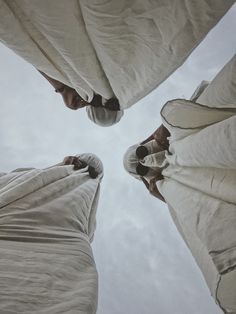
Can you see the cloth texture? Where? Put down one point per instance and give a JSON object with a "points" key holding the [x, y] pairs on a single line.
{"points": [[47, 221], [112, 48], [154, 160], [199, 182], [104, 117]]}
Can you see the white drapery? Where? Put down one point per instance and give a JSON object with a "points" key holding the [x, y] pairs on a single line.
{"points": [[47, 221], [111, 48], [199, 183]]}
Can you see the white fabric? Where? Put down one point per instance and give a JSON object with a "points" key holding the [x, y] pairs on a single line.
{"points": [[104, 117], [47, 220], [199, 183], [112, 47], [199, 90], [51, 35], [154, 160], [130, 161], [222, 90], [139, 43], [182, 117]]}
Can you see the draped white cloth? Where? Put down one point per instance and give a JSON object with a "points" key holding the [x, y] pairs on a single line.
{"points": [[121, 48], [154, 160], [199, 183], [47, 221], [103, 116]]}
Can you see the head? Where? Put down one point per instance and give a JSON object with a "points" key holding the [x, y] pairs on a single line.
{"points": [[96, 112], [103, 116], [95, 166], [138, 160], [132, 159]]}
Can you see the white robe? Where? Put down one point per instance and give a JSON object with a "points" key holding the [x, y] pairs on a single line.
{"points": [[200, 182], [47, 221], [122, 48]]}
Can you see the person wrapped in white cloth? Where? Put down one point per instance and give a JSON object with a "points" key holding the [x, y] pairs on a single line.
{"points": [[47, 221], [117, 51], [199, 179]]}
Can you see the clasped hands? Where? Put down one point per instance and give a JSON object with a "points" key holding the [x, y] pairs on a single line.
{"points": [[79, 164]]}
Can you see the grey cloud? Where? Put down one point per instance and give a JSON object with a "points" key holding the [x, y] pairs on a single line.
{"points": [[144, 266]]}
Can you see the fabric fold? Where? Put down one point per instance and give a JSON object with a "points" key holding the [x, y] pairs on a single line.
{"points": [[47, 221], [109, 48]]}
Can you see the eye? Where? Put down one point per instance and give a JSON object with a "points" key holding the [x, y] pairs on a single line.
{"points": [[141, 170]]}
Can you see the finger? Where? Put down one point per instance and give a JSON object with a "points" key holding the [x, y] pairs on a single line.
{"points": [[79, 164], [68, 160], [151, 187], [145, 182]]}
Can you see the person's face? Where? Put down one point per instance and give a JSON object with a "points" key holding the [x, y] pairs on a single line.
{"points": [[72, 99]]}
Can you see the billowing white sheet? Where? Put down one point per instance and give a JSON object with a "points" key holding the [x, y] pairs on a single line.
{"points": [[140, 43], [200, 182], [47, 220], [222, 90], [126, 48], [51, 35]]}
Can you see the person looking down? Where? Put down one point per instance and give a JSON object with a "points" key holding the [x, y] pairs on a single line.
{"points": [[100, 111]]}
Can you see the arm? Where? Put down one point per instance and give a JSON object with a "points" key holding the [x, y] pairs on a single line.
{"points": [[160, 135], [152, 188]]}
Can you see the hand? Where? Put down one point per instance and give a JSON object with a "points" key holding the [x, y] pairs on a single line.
{"points": [[112, 104], [79, 164], [73, 160], [152, 185], [152, 188], [160, 135]]}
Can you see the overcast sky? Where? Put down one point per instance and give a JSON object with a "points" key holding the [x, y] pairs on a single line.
{"points": [[144, 266]]}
